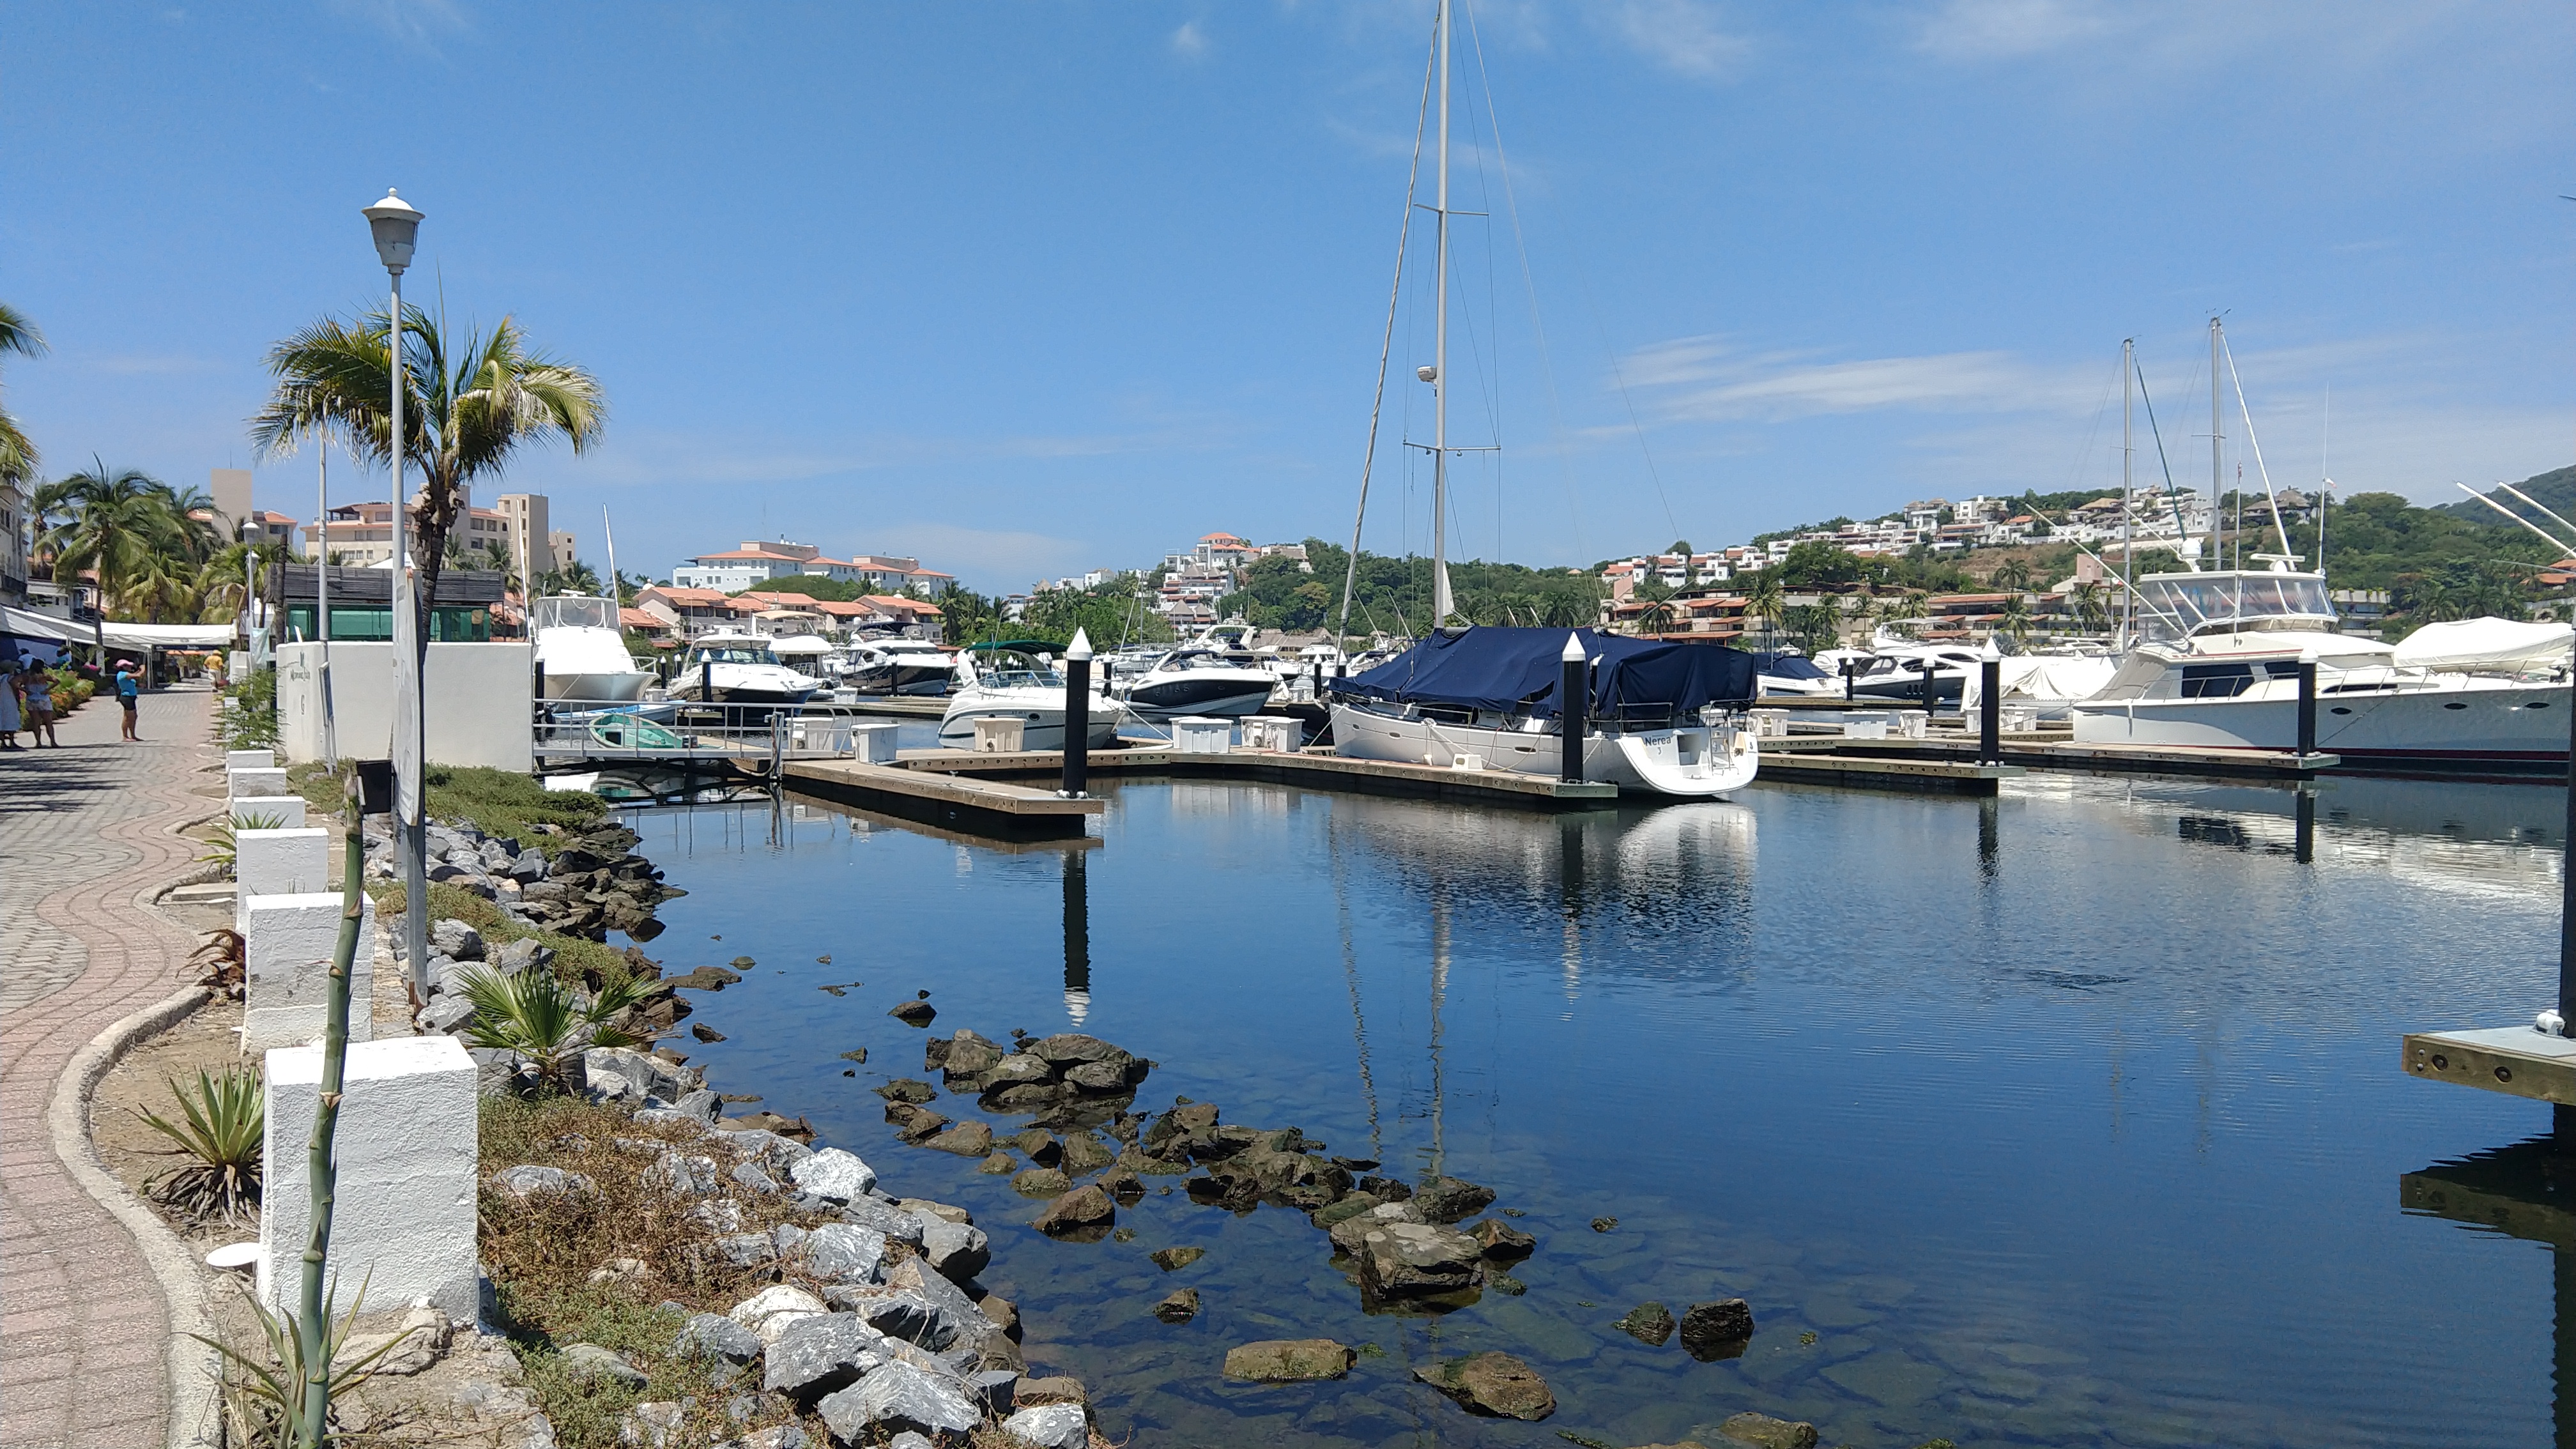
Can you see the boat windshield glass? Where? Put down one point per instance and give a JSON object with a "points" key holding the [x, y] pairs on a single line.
{"points": [[573, 611], [1010, 669], [732, 654], [2174, 606]]}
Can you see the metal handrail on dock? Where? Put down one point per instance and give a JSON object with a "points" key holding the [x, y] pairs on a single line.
{"points": [[664, 732]]}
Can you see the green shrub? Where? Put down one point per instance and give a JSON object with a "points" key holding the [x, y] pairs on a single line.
{"points": [[249, 719], [224, 1121], [539, 1016], [224, 849]]}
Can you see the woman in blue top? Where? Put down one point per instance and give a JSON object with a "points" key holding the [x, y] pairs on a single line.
{"points": [[129, 686]]}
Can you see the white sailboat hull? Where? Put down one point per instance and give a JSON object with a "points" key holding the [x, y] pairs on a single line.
{"points": [[1699, 761]]}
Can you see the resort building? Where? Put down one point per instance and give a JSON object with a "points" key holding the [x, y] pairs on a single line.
{"points": [[757, 561], [360, 534]]}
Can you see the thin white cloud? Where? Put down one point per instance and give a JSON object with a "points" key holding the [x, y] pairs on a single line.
{"points": [[991, 556], [2008, 29], [1190, 42], [1701, 379], [418, 23], [1687, 37]]}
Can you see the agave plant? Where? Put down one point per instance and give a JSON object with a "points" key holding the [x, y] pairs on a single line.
{"points": [[225, 957], [225, 1122], [265, 1394], [224, 848], [538, 1016]]}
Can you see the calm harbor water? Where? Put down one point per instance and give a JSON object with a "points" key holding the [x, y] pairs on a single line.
{"points": [[2072, 1117]]}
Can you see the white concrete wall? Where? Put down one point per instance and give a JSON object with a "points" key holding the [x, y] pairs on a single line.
{"points": [[286, 810], [402, 1223], [480, 708], [288, 942], [278, 863]]}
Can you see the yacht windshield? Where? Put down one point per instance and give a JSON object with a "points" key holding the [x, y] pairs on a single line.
{"points": [[573, 611], [733, 654], [2173, 606], [1010, 669]]}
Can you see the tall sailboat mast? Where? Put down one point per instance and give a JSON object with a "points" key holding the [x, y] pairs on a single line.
{"points": [[2217, 447], [2128, 493], [1440, 601]]}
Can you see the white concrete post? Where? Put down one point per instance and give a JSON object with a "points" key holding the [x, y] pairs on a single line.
{"points": [[288, 942], [278, 863], [250, 759], [269, 781], [286, 810], [402, 1222]]}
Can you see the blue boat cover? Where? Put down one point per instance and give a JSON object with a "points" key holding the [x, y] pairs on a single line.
{"points": [[1515, 671], [1788, 666]]}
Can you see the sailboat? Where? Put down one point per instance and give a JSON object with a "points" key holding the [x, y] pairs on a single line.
{"points": [[1485, 696]]}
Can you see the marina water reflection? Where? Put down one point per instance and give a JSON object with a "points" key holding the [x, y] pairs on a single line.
{"points": [[2063, 1117]]}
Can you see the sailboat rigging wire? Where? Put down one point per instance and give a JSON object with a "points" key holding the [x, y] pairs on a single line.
{"points": [[2172, 501], [2536, 503], [2278, 529], [1394, 291], [1529, 283], [2516, 517]]}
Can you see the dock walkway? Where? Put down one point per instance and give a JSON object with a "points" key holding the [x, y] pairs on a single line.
{"points": [[85, 1336]]}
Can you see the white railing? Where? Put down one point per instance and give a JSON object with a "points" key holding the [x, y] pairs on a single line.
{"points": [[756, 737]]}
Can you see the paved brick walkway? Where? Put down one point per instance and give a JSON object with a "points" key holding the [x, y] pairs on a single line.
{"points": [[83, 832]]}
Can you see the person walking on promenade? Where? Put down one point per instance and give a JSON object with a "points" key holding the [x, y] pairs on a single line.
{"points": [[37, 685], [8, 709], [129, 691]]}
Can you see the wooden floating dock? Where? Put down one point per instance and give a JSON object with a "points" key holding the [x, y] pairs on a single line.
{"points": [[1875, 772], [2518, 1061], [1313, 770], [977, 806], [2035, 751], [897, 706]]}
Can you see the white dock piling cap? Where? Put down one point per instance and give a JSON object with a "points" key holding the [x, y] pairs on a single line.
{"points": [[1573, 648], [1080, 648]]}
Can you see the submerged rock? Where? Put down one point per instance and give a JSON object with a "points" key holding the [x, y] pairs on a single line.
{"points": [[1000, 1164], [1082, 1208], [1289, 1360], [1605, 1225], [1040, 1182], [1764, 1432], [1717, 1330], [966, 1139], [1173, 1259], [1491, 1383], [1179, 1306], [914, 1013], [1448, 1199], [1417, 1260], [912, 1123], [1647, 1323], [906, 1089], [1502, 1242]]}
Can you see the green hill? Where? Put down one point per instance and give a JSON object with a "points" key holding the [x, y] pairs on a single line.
{"points": [[2554, 490]]}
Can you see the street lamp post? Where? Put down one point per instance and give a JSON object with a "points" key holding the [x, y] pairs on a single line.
{"points": [[250, 588], [396, 225]]}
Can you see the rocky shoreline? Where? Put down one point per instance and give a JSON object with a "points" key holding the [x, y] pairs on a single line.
{"points": [[584, 883]]}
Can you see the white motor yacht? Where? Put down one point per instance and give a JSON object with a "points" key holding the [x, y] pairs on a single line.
{"points": [[1199, 682], [1010, 680], [2219, 667], [733, 668], [1894, 671], [580, 652], [900, 666], [1660, 719], [1789, 674]]}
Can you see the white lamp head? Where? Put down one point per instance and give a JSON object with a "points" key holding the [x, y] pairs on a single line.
{"points": [[396, 224], [1080, 648], [1427, 373]]}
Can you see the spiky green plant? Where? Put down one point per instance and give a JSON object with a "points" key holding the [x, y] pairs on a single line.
{"points": [[538, 1016], [225, 1120], [264, 1394], [225, 848]]}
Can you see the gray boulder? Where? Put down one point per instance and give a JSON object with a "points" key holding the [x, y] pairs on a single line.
{"points": [[453, 938], [957, 1250], [447, 1013], [956, 1318], [897, 1225], [747, 1250], [1764, 1432], [1448, 1199], [701, 1104], [842, 1253], [519, 956], [900, 1397], [773, 1152], [529, 1181], [1495, 1384], [653, 1425], [750, 1176], [713, 1335], [589, 1363], [1414, 1260], [833, 1173], [624, 1074], [1050, 1426], [821, 1355], [683, 1172]]}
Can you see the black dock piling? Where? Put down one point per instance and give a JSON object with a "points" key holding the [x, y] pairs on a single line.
{"points": [[1077, 716], [2307, 707], [1990, 713]]}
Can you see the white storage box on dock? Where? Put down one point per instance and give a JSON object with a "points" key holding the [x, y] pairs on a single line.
{"points": [[1201, 735], [873, 743], [1911, 722], [1865, 727], [999, 734], [830, 736], [1278, 732], [1770, 724]]}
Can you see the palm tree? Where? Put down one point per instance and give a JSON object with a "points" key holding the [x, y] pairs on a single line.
{"points": [[2017, 615], [1655, 617], [581, 578], [17, 456], [466, 411], [2091, 609], [2013, 576], [122, 527], [1764, 596]]}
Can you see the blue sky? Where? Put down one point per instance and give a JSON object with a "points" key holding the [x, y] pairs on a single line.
{"points": [[1035, 287]]}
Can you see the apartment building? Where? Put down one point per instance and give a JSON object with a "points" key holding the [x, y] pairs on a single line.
{"points": [[756, 560], [360, 534]]}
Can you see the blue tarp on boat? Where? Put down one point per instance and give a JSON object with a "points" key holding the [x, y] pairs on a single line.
{"points": [[1515, 671]]}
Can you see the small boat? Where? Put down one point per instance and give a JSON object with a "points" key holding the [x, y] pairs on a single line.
{"points": [[732, 668], [900, 666], [1199, 682], [1013, 681], [1661, 718], [628, 730], [580, 652]]}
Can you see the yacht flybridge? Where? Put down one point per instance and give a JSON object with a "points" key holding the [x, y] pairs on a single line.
{"points": [[2218, 660], [580, 652]]}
